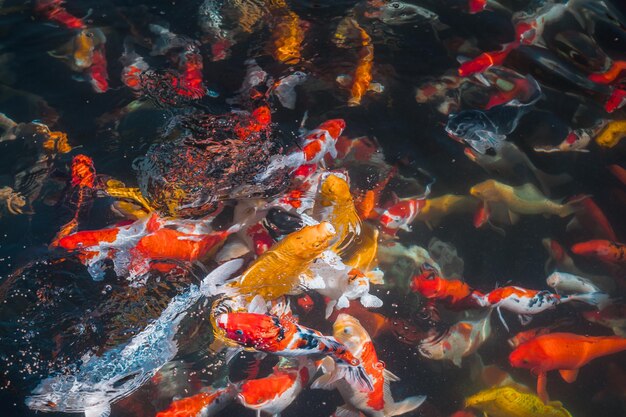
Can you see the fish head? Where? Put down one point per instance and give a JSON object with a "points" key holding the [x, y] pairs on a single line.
{"points": [[486, 190], [462, 126], [554, 279], [428, 284], [335, 189], [262, 393], [310, 241], [484, 398], [334, 127], [349, 331], [400, 13], [249, 329], [529, 355]]}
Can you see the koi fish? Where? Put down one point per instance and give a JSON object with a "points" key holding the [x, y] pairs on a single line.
{"points": [[453, 293], [575, 141], [610, 75], [508, 401], [612, 134], [605, 250], [526, 303], [340, 283], [460, 340], [284, 89], [613, 317], [570, 283], [54, 11], [565, 352], [277, 271], [316, 145], [526, 335], [287, 36], [376, 402], [335, 205], [435, 209], [134, 67], [205, 404], [99, 381], [361, 82], [401, 213], [274, 393], [476, 6], [284, 337], [97, 72], [616, 101], [590, 220], [486, 60], [525, 199]]}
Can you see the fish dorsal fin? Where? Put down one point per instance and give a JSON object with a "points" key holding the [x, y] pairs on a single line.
{"points": [[528, 192], [569, 375], [102, 410], [390, 376]]}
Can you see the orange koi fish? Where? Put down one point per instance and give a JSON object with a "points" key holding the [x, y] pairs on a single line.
{"points": [[616, 100], [315, 146], [591, 219], [54, 11], [287, 34], [277, 391], [400, 215], [565, 352], [526, 335], [605, 250], [610, 75], [613, 317], [376, 402], [284, 337], [361, 82], [453, 293], [205, 404]]}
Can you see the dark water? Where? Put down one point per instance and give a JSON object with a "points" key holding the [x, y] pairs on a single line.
{"points": [[52, 312]]}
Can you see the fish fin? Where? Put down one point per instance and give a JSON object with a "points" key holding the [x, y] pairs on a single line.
{"points": [[346, 411], [599, 299], [103, 410], [457, 360], [325, 382], [343, 302], [499, 230], [376, 276], [355, 376], [258, 305], [542, 393], [258, 413], [371, 301], [502, 319], [344, 80], [314, 283], [404, 406], [218, 276], [390, 376], [329, 308], [569, 375], [525, 319], [376, 87], [513, 217]]}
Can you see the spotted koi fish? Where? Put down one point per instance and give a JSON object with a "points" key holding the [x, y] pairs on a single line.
{"points": [[284, 337]]}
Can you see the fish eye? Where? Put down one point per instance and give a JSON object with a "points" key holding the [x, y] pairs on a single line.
{"points": [[239, 332], [346, 330], [395, 5]]}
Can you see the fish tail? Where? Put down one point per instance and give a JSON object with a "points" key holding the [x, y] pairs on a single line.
{"points": [[219, 276], [598, 299], [404, 406]]}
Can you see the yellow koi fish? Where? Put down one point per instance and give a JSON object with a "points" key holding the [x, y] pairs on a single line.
{"points": [[509, 402], [276, 272], [435, 209], [612, 133], [525, 199], [335, 205]]}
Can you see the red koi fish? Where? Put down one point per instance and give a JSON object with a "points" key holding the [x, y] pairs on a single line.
{"points": [[616, 100], [486, 60], [453, 293], [189, 84], [97, 72], [134, 66], [591, 219], [205, 404], [565, 352], [284, 337], [54, 11], [259, 120], [277, 391], [401, 214], [260, 237], [605, 250], [476, 6], [610, 75], [316, 145], [377, 402], [305, 303]]}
